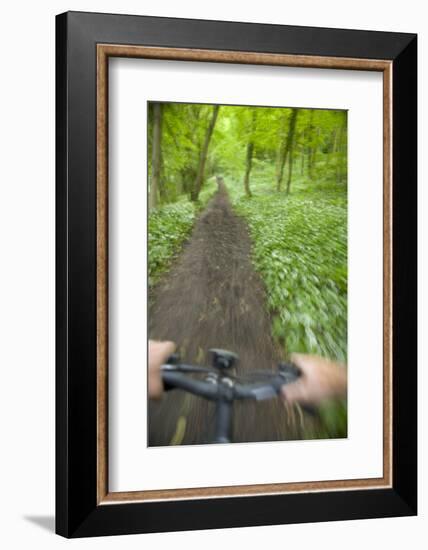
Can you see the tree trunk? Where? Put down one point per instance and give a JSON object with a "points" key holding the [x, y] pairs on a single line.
{"points": [[250, 149], [329, 155], [156, 155], [287, 147], [163, 194], [341, 150], [310, 162], [203, 156], [280, 148], [334, 141], [290, 169], [278, 161], [314, 152], [302, 165]]}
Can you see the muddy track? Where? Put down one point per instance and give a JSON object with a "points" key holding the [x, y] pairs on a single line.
{"points": [[212, 297]]}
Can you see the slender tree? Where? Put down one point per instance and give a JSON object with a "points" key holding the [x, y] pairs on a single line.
{"points": [[156, 155], [249, 155], [203, 156], [314, 151], [286, 148], [341, 149], [248, 165], [290, 168], [311, 146], [280, 140]]}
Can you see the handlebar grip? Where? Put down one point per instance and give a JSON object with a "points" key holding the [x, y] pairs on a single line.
{"points": [[197, 387], [271, 387]]}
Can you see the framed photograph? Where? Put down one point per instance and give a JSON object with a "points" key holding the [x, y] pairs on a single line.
{"points": [[236, 274]]}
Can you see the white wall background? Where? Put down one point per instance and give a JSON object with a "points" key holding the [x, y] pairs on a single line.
{"points": [[27, 272]]}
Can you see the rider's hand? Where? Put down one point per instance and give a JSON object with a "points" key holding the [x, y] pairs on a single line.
{"points": [[321, 379], [158, 354]]}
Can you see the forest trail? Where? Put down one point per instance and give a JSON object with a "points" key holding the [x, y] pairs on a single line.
{"points": [[212, 297]]}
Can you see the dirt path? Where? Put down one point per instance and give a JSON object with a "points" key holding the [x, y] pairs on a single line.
{"points": [[212, 297]]}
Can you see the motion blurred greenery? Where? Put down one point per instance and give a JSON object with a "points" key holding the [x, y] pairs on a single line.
{"points": [[286, 173], [169, 226]]}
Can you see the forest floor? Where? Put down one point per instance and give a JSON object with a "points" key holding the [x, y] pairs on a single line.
{"points": [[212, 297]]}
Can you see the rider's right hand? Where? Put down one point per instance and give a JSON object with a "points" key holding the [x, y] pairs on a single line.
{"points": [[321, 379]]}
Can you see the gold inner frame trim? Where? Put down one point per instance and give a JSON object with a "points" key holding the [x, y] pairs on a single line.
{"points": [[104, 51]]}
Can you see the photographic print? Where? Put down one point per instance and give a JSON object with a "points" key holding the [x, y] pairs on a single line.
{"points": [[247, 273]]}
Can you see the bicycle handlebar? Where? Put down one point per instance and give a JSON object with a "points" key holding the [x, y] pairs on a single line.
{"points": [[197, 387], [219, 387]]}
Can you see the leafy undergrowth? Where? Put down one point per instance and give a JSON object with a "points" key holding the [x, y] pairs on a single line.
{"points": [[168, 227], [300, 250]]}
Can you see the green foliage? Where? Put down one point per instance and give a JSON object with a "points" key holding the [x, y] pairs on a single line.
{"points": [[300, 250], [333, 420], [183, 131], [319, 147], [168, 228]]}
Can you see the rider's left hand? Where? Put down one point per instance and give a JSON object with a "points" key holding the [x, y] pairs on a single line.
{"points": [[158, 354]]}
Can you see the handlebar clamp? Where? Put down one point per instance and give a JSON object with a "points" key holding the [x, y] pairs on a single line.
{"points": [[223, 359]]}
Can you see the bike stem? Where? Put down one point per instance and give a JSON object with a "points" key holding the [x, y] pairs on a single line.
{"points": [[223, 424]]}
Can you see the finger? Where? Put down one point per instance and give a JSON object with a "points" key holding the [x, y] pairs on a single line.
{"points": [[296, 358], [160, 351], [308, 364], [301, 360], [167, 349], [295, 392], [155, 388]]}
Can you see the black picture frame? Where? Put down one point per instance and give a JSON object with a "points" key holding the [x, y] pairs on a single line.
{"points": [[77, 512]]}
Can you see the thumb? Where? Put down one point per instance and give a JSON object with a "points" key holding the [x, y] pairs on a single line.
{"points": [[168, 349]]}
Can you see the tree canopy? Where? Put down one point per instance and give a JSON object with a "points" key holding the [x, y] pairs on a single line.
{"points": [[189, 143]]}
